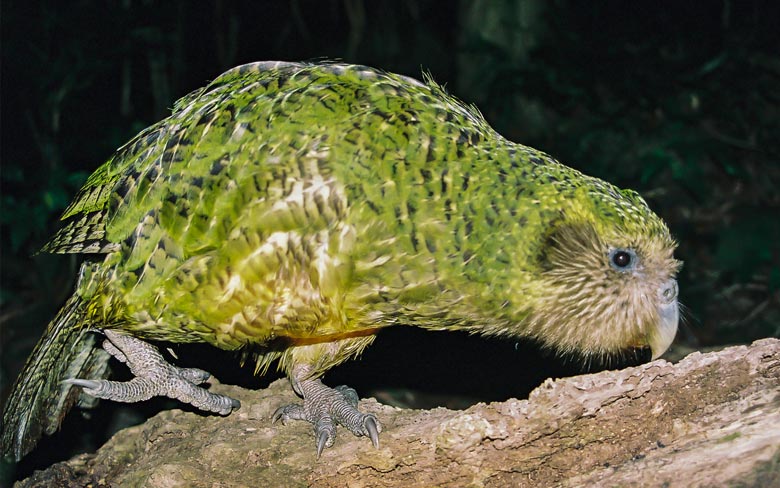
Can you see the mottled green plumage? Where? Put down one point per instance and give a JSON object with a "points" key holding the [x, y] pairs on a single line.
{"points": [[291, 210]]}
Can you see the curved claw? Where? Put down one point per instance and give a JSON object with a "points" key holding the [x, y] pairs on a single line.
{"points": [[85, 383], [322, 442], [373, 430], [288, 412], [278, 414], [326, 408]]}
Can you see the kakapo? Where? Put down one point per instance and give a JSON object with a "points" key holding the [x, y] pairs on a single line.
{"points": [[290, 211]]}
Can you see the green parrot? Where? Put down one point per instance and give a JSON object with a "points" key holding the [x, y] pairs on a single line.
{"points": [[290, 211]]}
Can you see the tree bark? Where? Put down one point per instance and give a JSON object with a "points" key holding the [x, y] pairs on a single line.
{"points": [[709, 420]]}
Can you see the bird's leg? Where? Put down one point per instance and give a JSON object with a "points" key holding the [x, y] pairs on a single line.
{"points": [[324, 407], [154, 376]]}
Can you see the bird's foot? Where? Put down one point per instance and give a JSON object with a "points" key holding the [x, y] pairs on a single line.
{"points": [[154, 376], [324, 407]]}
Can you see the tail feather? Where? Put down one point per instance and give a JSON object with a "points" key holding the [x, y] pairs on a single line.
{"points": [[39, 399]]}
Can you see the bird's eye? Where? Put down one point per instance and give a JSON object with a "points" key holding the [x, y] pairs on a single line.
{"points": [[622, 259]]}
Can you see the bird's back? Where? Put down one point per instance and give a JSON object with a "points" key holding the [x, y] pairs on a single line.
{"points": [[272, 202]]}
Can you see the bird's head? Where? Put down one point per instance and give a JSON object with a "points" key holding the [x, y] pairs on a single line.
{"points": [[608, 277]]}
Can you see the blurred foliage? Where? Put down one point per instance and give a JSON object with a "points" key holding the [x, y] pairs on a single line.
{"points": [[677, 100]]}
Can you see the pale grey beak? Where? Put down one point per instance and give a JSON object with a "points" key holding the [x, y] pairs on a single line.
{"points": [[668, 318]]}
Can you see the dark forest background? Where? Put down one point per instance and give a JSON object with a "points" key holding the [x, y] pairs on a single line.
{"points": [[678, 100]]}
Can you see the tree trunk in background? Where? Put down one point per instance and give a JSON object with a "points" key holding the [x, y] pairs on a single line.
{"points": [[515, 27], [496, 40]]}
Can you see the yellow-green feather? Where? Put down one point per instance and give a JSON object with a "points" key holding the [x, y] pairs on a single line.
{"points": [[310, 204]]}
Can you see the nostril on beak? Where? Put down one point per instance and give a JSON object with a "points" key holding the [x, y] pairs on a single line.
{"points": [[669, 291]]}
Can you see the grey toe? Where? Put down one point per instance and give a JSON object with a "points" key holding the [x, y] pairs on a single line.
{"points": [[153, 376]]}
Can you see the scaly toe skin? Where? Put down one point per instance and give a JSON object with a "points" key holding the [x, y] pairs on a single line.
{"points": [[324, 432], [370, 425], [349, 394], [154, 376], [324, 426], [194, 375], [324, 408], [360, 424], [289, 412]]}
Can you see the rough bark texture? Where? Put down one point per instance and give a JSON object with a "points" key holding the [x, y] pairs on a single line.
{"points": [[710, 420]]}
